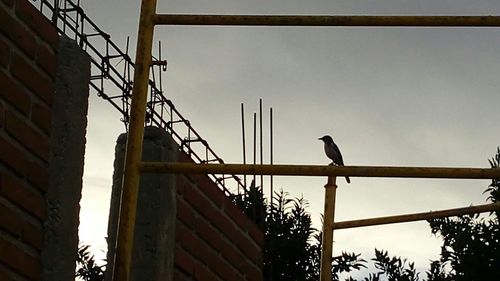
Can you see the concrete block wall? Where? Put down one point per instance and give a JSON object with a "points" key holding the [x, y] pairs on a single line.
{"points": [[215, 240], [38, 199], [186, 228]]}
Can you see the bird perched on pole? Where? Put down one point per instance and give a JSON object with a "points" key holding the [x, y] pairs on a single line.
{"points": [[333, 152]]}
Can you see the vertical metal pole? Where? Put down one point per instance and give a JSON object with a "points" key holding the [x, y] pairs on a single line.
{"points": [[244, 145], [55, 13], [260, 136], [327, 241], [254, 144], [271, 152], [133, 154]]}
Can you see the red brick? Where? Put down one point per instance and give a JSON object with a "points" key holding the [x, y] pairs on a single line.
{"points": [[38, 175], [37, 22], [184, 261], [20, 228], [225, 226], [253, 273], [4, 53], [202, 273], [236, 215], [9, 3], [193, 244], [256, 234], [18, 193], [9, 221], [222, 268], [240, 262], [14, 94], [180, 276], [32, 235], [185, 213], [47, 60], [19, 34], [237, 237], [230, 253], [206, 232], [204, 207], [41, 115], [26, 135], [4, 275], [180, 181], [210, 189], [31, 78], [12, 156], [20, 261], [249, 249], [2, 115]]}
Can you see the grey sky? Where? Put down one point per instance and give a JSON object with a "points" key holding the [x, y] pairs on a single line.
{"points": [[388, 96]]}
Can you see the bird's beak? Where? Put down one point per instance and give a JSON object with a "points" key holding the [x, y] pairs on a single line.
{"points": [[319, 139]]}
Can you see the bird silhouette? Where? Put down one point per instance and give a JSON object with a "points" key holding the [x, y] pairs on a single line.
{"points": [[332, 151]]}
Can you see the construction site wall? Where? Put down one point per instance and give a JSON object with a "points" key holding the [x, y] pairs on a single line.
{"points": [[43, 105], [186, 227]]}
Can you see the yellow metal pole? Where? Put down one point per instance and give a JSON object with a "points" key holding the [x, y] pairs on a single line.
{"points": [[325, 273], [133, 154], [418, 216], [323, 170], [297, 20]]}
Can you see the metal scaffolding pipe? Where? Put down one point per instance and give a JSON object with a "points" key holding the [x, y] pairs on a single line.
{"points": [[325, 273], [316, 170], [133, 153], [297, 20], [417, 216]]}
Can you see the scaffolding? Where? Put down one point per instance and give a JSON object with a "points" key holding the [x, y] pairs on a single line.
{"points": [[111, 79], [134, 167]]}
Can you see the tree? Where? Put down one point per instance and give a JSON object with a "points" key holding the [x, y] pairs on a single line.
{"points": [[87, 269], [394, 269], [471, 244], [292, 247]]}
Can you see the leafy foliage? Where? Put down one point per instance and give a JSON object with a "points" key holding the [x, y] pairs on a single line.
{"points": [[394, 269], [471, 244], [292, 247], [87, 269]]}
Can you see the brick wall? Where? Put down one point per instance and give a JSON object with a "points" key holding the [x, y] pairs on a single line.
{"points": [[214, 239], [28, 45], [186, 228], [43, 106]]}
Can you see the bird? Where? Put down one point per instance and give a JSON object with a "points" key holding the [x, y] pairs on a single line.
{"points": [[332, 151]]}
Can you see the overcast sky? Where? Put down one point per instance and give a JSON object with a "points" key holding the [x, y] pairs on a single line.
{"points": [[388, 96]]}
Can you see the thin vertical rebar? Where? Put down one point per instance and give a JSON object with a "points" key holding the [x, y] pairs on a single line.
{"points": [[271, 153], [244, 144], [254, 143], [55, 13], [261, 147]]}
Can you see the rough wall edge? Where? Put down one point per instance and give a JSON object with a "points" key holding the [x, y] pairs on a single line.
{"points": [[154, 242], [69, 124]]}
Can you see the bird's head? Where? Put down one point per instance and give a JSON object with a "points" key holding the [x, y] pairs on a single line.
{"points": [[326, 139]]}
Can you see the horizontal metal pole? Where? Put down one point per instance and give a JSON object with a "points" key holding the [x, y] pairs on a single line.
{"points": [[417, 216], [316, 170], [297, 20]]}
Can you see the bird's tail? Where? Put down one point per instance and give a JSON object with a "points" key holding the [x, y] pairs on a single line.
{"points": [[347, 180]]}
